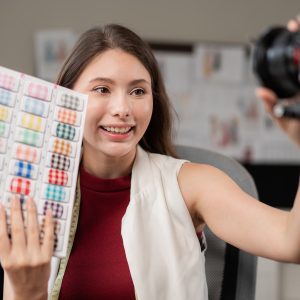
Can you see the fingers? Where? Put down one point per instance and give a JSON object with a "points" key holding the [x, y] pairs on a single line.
{"points": [[4, 240], [17, 225], [266, 94], [25, 240], [33, 240], [48, 240], [294, 24], [268, 97]]}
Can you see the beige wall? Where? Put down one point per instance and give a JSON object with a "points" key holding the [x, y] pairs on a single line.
{"points": [[161, 20]]}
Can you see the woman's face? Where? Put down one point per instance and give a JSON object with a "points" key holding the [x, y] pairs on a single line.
{"points": [[120, 103]]}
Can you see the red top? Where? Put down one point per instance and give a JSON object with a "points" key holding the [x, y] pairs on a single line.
{"points": [[97, 267]]}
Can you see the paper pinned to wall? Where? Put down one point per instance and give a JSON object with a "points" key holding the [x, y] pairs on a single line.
{"points": [[219, 63], [51, 49], [218, 110]]}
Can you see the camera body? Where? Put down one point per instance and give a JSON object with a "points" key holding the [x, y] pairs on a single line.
{"points": [[276, 61]]}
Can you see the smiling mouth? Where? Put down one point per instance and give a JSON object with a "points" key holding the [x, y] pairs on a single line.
{"points": [[117, 130]]}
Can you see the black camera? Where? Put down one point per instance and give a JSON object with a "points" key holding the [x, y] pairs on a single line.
{"points": [[276, 62]]}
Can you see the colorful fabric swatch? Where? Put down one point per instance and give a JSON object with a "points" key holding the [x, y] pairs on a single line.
{"points": [[70, 101], [57, 177], [2, 128], [32, 122], [35, 107], [23, 169], [65, 131], [60, 162], [4, 113], [57, 209], [20, 186], [7, 81], [6, 97], [67, 116], [55, 192], [29, 137], [38, 91], [26, 153], [62, 147], [3, 144]]}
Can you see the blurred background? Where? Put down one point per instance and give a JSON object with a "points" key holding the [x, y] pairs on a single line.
{"points": [[204, 50], [176, 21]]}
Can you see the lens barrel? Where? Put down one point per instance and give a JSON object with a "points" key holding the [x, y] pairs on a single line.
{"points": [[276, 61]]}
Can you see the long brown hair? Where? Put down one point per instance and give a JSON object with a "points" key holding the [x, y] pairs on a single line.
{"points": [[158, 136]]}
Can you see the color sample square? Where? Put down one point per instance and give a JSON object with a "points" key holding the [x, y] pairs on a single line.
{"points": [[37, 90], [20, 186], [29, 137], [65, 131], [32, 122], [62, 147], [57, 177], [8, 81], [57, 209], [27, 153], [60, 162], [23, 169], [70, 101], [7, 97], [35, 106], [4, 113], [55, 192]]}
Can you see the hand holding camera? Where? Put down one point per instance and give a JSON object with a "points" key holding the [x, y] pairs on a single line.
{"points": [[277, 66]]}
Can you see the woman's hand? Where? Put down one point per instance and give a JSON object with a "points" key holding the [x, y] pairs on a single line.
{"points": [[26, 262], [290, 126]]}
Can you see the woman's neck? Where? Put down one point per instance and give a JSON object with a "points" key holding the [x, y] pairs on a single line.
{"points": [[104, 166]]}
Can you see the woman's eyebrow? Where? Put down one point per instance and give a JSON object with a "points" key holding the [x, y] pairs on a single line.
{"points": [[110, 81], [138, 81], [103, 79]]}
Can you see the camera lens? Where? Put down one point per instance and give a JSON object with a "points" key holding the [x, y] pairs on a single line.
{"points": [[276, 61]]}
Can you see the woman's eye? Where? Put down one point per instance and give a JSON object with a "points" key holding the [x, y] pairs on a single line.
{"points": [[101, 90], [138, 92]]}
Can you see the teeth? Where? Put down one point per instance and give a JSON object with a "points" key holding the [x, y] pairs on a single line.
{"points": [[117, 129]]}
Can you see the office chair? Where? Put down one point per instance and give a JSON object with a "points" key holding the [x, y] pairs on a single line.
{"points": [[230, 272]]}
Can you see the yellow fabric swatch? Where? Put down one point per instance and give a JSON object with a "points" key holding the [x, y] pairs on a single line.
{"points": [[31, 122]]}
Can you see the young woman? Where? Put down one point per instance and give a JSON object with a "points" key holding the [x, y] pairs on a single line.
{"points": [[140, 207]]}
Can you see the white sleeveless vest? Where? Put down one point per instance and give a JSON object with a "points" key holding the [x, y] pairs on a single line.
{"points": [[161, 246]]}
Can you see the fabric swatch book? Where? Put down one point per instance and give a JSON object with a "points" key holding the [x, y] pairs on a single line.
{"points": [[41, 131]]}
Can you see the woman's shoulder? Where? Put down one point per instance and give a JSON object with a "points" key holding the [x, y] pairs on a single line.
{"points": [[198, 174], [196, 179]]}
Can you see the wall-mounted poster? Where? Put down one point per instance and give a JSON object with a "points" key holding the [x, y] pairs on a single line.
{"points": [[51, 49], [219, 63]]}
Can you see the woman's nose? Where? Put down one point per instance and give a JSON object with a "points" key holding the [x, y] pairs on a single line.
{"points": [[121, 106]]}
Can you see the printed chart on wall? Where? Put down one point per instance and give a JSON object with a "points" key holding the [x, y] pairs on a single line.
{"points": [[41, 131], [212, 89]]}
